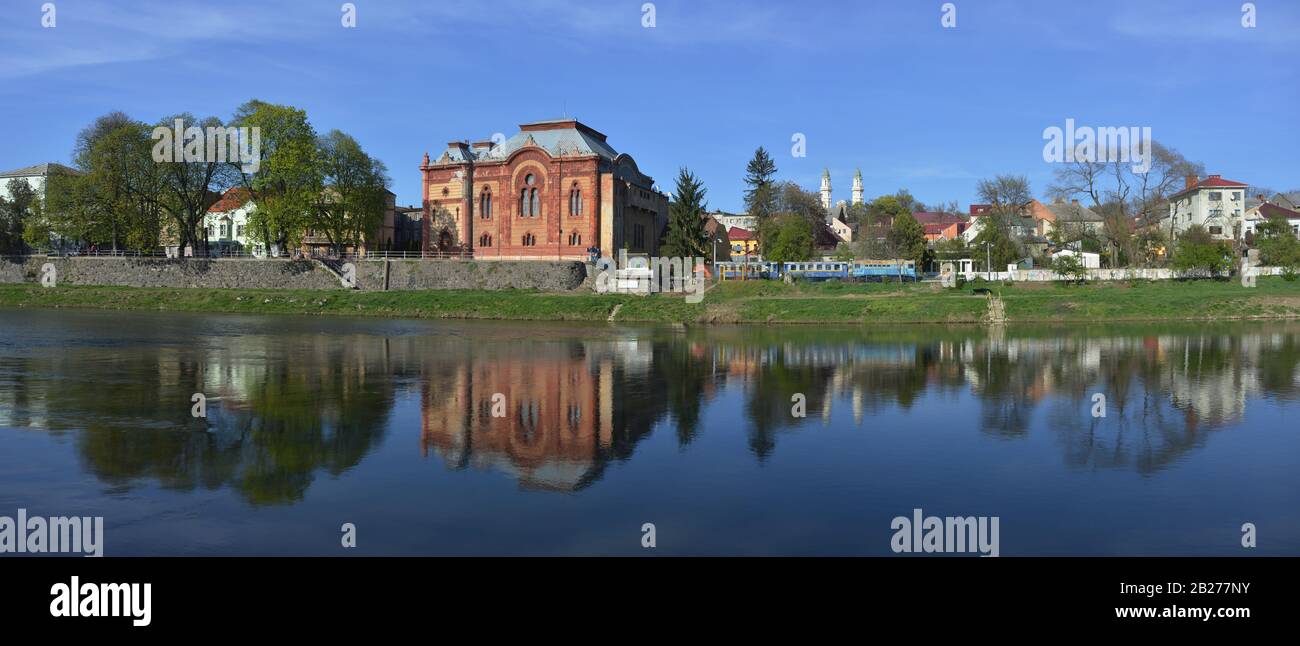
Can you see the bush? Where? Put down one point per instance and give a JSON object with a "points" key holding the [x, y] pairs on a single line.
{"points": [[1070, 268]]}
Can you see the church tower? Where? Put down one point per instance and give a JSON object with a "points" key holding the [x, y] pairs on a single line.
{"points": [[857, 186], [826, 189]]}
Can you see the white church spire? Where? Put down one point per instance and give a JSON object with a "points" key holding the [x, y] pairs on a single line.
{"points": [[857, 186], [826, 189]]}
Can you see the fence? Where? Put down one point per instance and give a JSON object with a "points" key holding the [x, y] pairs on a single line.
{"points": [[215, 254]]}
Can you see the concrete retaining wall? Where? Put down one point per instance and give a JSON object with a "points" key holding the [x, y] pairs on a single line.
{"points": [[297, 274]]}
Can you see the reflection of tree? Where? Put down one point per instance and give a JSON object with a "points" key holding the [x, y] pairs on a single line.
{"points": [[288, 417]]}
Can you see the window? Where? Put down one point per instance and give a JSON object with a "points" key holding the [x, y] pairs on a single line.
{"points": [[575, 200], [485, 240], [1216, 196], [485, 204], [575, 239], [1236, 196], [530, 205], [529, 240], [1216, 230], [239, 231]]}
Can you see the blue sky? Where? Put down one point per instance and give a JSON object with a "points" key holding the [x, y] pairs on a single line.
{"points": [[873, 84]]}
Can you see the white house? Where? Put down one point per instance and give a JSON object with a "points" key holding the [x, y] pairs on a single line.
{"points": [[227, 223], [1261, 213], [36, 177], [1215, 203], [1090, 260]]}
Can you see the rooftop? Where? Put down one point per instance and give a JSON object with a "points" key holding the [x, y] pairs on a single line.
{"points": [[40, 170], [568, 137]]}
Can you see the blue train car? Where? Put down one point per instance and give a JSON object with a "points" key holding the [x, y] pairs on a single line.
{"points": [[883, 270], [816, 270]]}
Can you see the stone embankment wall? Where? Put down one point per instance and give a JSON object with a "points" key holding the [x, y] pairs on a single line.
{"points": [[230, 273]]}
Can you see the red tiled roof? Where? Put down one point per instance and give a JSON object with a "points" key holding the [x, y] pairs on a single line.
{"points": [[1213, 181], [1272, 211], [930, 217], [230, 200], [935, 228], [737, 233]]}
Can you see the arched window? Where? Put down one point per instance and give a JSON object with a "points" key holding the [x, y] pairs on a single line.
{"points": [[529, 204], [485, 240], [575, 200], [485, 204], [529, 240], [575, 239]]}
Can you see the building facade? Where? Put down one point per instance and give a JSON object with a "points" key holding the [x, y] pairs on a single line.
{"points": [[227, 223], [1214, 203], [37, 177], [555, 190]]}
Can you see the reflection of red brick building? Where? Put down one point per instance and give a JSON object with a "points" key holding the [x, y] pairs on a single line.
{"points": [[557, 425], [551, 191]]}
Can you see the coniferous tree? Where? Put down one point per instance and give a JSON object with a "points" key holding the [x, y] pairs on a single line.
{"points": [[760, 197], [686, 236]]}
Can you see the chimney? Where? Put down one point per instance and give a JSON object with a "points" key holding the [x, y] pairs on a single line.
{"points": [[1191, 181], [1074, 202], [1261, 198]]}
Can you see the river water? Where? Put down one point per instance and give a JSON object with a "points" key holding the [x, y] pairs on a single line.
{"points": [[450, 438]]}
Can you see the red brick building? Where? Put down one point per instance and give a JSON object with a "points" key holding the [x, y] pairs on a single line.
{"points": [[551, 191]]}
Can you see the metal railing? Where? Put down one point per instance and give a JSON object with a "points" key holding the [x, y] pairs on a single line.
{"points": [[214, 254]]}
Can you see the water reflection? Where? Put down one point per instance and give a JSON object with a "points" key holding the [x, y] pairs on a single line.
{"points": [[552, 408]]}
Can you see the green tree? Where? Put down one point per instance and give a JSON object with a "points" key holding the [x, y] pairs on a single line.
{"points": [[190, 187], [995, 244], [1277, 242], [1070, 268], [288, 180], [907, 238], [786, 238], [351, 207], [1199, 255], [686, 236], [14, 213], [760, 173]]}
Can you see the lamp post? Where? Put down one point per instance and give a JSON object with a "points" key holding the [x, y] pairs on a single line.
{"points": [[988, 260]]}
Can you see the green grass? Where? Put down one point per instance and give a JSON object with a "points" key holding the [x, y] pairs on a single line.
{"points": [[730, 302]]}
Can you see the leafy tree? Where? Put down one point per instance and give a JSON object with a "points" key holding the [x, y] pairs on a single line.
{"points": [[1277, 243], [875, 228], [843, 252], [907, 237], [1070, 268], [794, 200], [1197, 254], [13, 213], [351, 207], [288, 181], [786, 238], [1149, 246], [687, 236], [760, 197], [190, 187], [995, 243], [954, 249]]}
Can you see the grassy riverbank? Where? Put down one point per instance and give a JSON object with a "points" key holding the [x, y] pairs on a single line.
{"points": [[734, 302]]}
